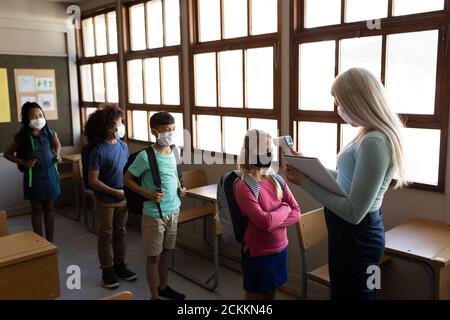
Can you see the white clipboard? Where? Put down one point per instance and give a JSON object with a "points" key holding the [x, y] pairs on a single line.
{"points": [[316, 171]]}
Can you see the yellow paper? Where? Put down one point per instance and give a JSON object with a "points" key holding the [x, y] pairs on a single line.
{"points": [[5, 111]]}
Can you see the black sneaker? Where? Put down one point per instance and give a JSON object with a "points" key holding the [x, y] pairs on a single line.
{"points": [[123, 272], [109, 279], [168, 292]]}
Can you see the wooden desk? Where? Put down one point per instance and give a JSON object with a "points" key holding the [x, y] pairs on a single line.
{"points": [[426, 242], [77, 179], [207, 194], [28, 268], [3, 224]]}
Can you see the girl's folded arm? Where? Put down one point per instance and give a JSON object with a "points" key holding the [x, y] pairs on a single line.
{"points": [[250, 206], [295, 213]]}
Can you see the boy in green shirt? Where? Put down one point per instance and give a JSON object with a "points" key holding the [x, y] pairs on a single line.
{"points": [[159, 227]]}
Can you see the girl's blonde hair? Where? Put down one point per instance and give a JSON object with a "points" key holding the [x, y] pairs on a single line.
{"points": [[364, 100], [256, 141]]}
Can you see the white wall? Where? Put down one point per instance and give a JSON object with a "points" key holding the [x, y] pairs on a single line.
{"points": [[35, 27]]}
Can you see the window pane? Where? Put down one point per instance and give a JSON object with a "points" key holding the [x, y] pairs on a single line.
{"points": [[88, 112], [208, 133], [172, 22], [264, 16], [402, 7], [422, 155], [362, 53], [269, 126], [140, 125], [317, 73], [322, 13], [88, 37], [99, 82], [112, 91], [230, 79], [135, 86], [154, 24], [112, 32], [170, 80], [235, 18], [205, 80], [235, 130], [86, 83], [348, 133], [319, 140], [411, 71], [360, 10], [152, 85], [179, 126], [259, 78], [209, 20], [137, 26], [100, 35]]}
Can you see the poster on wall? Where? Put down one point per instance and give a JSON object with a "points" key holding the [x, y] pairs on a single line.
{"points": [[5, 108], [37, 85]]}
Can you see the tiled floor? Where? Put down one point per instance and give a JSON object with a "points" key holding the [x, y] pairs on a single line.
{"points": [[78, 247]]}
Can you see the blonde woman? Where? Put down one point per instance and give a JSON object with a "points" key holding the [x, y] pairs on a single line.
{"points": [[365, 168], [264, 248]]}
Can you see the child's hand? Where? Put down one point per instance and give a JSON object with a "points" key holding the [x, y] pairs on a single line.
{"points": [[120, 194], [155, 196], [58, 158], [29, 163]]}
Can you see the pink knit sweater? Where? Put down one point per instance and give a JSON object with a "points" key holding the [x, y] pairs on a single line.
{"points": [[268, 217]]}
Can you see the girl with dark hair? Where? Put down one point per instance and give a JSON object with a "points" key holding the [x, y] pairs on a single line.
{"points": [[107, 158], [36, 150]]}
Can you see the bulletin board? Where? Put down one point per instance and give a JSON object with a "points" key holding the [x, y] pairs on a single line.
{"points": [[37, 85], [5, 111], [60, 65]]}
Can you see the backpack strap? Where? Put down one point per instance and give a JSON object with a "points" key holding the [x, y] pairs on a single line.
{"points": [[280, 180], [30, 170], [155, 174], [252, 184]]}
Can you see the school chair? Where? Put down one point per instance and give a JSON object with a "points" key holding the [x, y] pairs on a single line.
{"points": [[75, 177], [124, 295], [3, 224], [194, 179], [311, 231]]}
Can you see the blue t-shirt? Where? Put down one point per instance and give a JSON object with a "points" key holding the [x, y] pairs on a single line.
{"points": [[109, 160]]}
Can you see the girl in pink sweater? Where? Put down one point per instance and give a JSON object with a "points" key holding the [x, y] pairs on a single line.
{"points": [[264, 249]]}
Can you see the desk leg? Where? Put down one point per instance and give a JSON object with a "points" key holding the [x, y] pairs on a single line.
{"points": [[215, 276], [441, 283]]}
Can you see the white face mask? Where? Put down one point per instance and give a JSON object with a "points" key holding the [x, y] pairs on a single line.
{"points": [[120, 132], [37, 123], [165, 139], [345, 117]]}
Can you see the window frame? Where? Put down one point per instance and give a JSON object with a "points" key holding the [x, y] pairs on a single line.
{"points": [[436, 20], [103, 59], [238, 43], [160, 52]]}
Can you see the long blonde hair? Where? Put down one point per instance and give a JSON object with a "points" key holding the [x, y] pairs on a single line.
{"points": [[364, 100], [254, 142]]}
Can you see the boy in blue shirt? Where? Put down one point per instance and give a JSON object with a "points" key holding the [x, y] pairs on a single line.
{"points": [[159, 227], [107, 158]]}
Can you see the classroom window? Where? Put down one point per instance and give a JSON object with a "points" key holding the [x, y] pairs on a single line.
{"points": [[234, 79], [97, 61], [153, 64], [230, 20], [99, 82], [404, 55], [155, 24], [99, 35]]}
